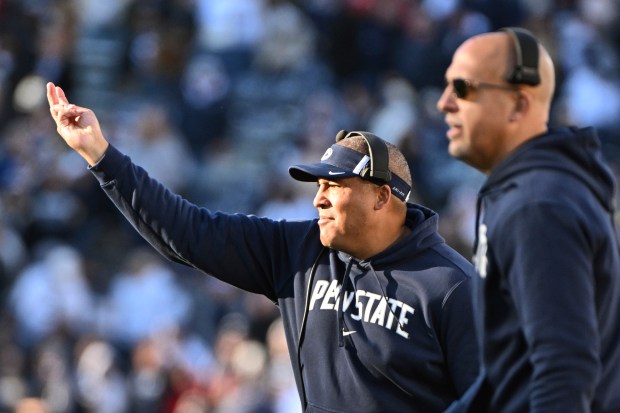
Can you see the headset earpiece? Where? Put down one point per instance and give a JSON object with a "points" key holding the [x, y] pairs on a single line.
{"points": [[341, 135], [525, 44]]}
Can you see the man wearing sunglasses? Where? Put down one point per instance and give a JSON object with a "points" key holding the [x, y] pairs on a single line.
{"points": [[547, 294]]}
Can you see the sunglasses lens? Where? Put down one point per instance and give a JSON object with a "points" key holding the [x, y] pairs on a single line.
{"points": [[460, 87]]}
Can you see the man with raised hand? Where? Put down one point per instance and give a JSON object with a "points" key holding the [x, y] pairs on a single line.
{"points": [[375, 306]]}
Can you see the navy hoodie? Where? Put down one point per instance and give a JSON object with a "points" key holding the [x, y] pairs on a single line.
{"points": [[548, 291], [398, 337]]}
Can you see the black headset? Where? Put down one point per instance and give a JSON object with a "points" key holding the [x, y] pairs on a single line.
{"points": [[377, 170], [526, 55]]}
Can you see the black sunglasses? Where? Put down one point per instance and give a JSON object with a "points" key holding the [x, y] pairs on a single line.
{"points": [[462, 87]]}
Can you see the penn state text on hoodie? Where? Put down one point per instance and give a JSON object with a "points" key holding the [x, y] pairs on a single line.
{"points": [[398, 338], [548, 291]]}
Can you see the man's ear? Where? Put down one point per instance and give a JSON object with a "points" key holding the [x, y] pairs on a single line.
{"points": [[521, 107], [383, 196]]}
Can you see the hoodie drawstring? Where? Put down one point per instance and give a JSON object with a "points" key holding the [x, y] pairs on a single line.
{"points": [[343, 288], [384, 296]]}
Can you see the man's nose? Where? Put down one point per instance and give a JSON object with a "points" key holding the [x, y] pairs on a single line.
{"points": [[447, 101], [320, 200]]}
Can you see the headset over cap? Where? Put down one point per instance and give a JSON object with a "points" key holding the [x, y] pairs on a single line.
{"points": [[341, 162]]}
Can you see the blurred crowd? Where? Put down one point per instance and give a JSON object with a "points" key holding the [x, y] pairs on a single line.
{"points": [[215, 98]]}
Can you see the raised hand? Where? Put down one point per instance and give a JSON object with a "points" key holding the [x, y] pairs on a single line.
{"points": [[78, 126]]}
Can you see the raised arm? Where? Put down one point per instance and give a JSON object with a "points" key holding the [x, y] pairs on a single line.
{"points": [[78, 126]]}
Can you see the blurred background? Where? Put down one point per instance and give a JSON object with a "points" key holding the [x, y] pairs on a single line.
{"points": [[216, 98]]}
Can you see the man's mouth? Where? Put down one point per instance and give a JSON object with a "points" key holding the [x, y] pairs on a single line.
{"points": [[454, 129], [324, 219]]}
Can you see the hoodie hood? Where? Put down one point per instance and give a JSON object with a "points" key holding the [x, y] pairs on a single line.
{"points": [[571, 150], [424, 224]]}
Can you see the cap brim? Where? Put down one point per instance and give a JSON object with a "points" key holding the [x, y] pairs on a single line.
{"points": [[313, 171]]}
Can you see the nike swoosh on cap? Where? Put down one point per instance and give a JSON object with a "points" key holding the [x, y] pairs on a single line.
{"points": [[335, 173], [348, 333]]}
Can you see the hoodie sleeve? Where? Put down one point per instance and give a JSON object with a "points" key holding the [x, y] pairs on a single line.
{"points": [[241, 250], [459, 336], [545, 250]]}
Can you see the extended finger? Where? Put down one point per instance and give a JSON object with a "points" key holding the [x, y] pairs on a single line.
{"points": [[52, 95], [61, 95]]}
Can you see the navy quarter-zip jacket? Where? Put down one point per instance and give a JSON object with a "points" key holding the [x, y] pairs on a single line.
{"points": [[398, 337], [548, 292]]}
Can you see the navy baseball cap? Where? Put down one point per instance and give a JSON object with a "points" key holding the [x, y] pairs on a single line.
{"points": [[341, 162]]}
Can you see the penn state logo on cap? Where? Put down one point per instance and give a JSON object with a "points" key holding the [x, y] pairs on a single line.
{"points": [[328, 153]]}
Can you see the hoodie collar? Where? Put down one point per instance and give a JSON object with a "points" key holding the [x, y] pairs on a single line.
{"points": [[424, 223]]}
